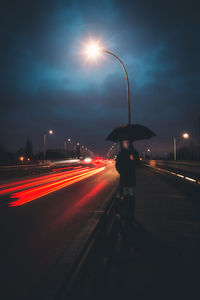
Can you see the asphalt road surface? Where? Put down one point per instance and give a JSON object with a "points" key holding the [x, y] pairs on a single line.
{"points": [[40, 216]]}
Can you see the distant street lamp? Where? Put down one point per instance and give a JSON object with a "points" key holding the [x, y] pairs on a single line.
{"points": [[21, 158], [185, 135], [93, 50], [65, 144], [77, 149], [45, 142], [144, 153]]}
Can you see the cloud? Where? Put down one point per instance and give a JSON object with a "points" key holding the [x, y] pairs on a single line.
{"points": [[47, 81]]}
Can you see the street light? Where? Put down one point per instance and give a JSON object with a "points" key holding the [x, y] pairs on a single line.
{"points": [[21, 158], [185, 135], [45, 142], [144, 153], [93, 50], [77, 149], [65, 144]]}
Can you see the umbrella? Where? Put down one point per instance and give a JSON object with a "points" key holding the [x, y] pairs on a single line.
{"points": [[131, 132]]}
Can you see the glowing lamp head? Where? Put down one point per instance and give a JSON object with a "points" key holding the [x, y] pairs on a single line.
{"points": [[93, 50], [185, 135]]}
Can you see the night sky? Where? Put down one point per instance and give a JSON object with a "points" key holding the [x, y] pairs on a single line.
{"points": [[47, 81]]}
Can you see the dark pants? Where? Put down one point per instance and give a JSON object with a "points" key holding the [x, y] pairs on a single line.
{"points": [[126, 204]]}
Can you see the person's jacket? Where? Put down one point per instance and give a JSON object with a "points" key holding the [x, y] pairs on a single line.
{"points": [[126, 165]]}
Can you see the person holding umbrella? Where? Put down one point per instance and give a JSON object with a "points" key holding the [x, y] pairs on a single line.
{"points": [[126, 166]]}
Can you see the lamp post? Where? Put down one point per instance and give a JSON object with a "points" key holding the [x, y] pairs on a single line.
{"points": [[185, 135], [45, 142], [65, 144], [77, 149], [21, 158], [93, 50], [175, 147], [144, 156]]}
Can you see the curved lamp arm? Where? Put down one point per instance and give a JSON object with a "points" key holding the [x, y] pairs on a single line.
{"points": [[127, 83]]}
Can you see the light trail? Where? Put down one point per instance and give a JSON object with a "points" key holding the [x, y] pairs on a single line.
{"points": [[32, 179], [40, 180], [37, 192], [54, 170], [80, 204]]}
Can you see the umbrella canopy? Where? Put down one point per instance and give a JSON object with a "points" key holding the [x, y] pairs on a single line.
{"points": [[131, 132]]}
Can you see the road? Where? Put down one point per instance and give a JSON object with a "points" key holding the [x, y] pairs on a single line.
{"points": [[159, 257], [16, 171], [40, 217]]}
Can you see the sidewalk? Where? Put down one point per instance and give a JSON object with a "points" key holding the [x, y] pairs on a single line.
{"points": [[161, 259]]}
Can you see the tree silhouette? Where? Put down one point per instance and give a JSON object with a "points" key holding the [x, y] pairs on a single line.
{"points": [[28, 151]]}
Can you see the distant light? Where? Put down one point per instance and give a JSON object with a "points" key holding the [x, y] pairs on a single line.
{"points": [[28, 159], [148, 150], [66, 161], [88, 159], [21, 158], [69, 140], [140, 158], [50, 131], [185, 135], [77, 144], [72, 160]]}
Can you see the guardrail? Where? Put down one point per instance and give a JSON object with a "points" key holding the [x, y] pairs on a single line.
{"points": [[189, 166], [185, 170], [101, 225]]}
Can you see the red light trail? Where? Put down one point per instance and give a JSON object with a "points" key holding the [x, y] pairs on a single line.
{"points": [[39, 191], [83, 201], [38, 181]]}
